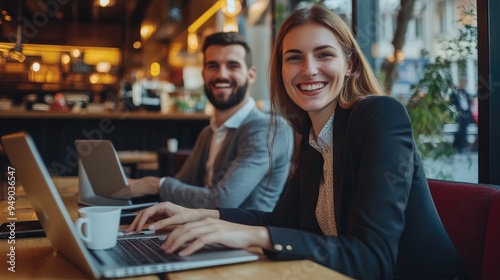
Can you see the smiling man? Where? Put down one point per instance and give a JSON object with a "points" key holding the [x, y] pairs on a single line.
{"points": [[242, 159]]}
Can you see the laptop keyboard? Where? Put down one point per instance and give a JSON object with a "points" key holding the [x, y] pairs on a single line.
{"points": [[141, 251]]}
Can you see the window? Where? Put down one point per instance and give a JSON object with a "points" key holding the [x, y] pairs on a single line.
{"points": [[433, 23], [444, 157]]}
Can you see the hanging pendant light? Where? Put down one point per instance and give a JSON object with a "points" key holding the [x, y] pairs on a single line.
{"points": [[231, 8], [16, 52]]}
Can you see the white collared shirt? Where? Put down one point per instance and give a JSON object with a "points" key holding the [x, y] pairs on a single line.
{"points": [[220, 134], [325, 211]]}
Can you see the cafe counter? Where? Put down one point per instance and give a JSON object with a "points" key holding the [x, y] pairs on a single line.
{"points": [[135, 115], [54, 133]]}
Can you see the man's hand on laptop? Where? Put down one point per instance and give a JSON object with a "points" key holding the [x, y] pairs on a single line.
{"points": [[144, 186]]}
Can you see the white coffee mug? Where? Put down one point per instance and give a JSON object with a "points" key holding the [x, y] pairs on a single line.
{"points": [[98, 226]]}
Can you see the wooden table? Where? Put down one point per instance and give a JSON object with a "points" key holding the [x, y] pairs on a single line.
{"points": [[37, 259]]}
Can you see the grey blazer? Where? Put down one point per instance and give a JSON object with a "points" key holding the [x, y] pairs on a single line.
{"points": [[242, 177]]}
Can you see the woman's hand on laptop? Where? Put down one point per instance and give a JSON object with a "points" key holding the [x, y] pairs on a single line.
{"points": [[166, 214], [215, 231], [144, 186]]}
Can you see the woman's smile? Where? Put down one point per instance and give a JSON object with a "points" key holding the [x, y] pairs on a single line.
{"points": [[311, 88]]}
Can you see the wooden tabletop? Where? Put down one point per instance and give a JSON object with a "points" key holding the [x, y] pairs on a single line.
{"points": [[128, 157], [35, 258]]}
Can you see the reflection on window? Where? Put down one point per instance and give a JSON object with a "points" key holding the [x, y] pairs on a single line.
{"points": [[423, 73]]}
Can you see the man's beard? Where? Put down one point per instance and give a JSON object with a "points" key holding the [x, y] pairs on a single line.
{"points": [[234, 99]]}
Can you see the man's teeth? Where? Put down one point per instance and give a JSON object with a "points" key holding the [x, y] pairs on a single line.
{"points": [[312, 86], [222, 85]]}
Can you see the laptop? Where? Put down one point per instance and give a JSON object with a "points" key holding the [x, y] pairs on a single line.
{"points": [[102, 180], [117, 261]]}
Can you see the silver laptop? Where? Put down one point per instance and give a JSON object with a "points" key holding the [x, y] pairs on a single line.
{"points": [[62, 233], [102, 181]]}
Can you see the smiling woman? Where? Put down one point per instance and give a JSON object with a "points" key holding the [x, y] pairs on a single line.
{"points": [[314, 71], [359, 202]]}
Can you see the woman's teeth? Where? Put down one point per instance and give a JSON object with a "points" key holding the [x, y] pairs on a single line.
{"points": [[310, 87]]}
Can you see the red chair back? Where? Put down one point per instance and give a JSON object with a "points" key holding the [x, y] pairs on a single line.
{"points": [[491, 259], [464, 209]]}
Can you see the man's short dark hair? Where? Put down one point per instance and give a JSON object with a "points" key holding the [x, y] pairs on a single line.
{"points": [[226, 39]]}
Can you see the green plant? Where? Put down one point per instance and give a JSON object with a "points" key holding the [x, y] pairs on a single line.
{"points": [[429, 107]]}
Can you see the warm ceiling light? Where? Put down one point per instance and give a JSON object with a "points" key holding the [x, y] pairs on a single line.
{"points": [[35, 66], [103, 67], [204, 17], [231, 8], [104, 3], [6, 16], [230, 25], [154, 69], [76, 53], [147, 30], [137, 45], [93, 79], [65, 58], [192, 41]]}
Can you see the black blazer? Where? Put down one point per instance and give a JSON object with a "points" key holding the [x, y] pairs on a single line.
{"points": [[387, 224]]}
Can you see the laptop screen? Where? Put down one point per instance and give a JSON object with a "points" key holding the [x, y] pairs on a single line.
{"points": [[46, 201]]}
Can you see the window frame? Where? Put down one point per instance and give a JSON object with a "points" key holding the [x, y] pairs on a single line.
{"points": [[488, 91]]}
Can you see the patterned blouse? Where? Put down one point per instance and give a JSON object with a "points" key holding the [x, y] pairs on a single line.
{"points": [[325, 213]]}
